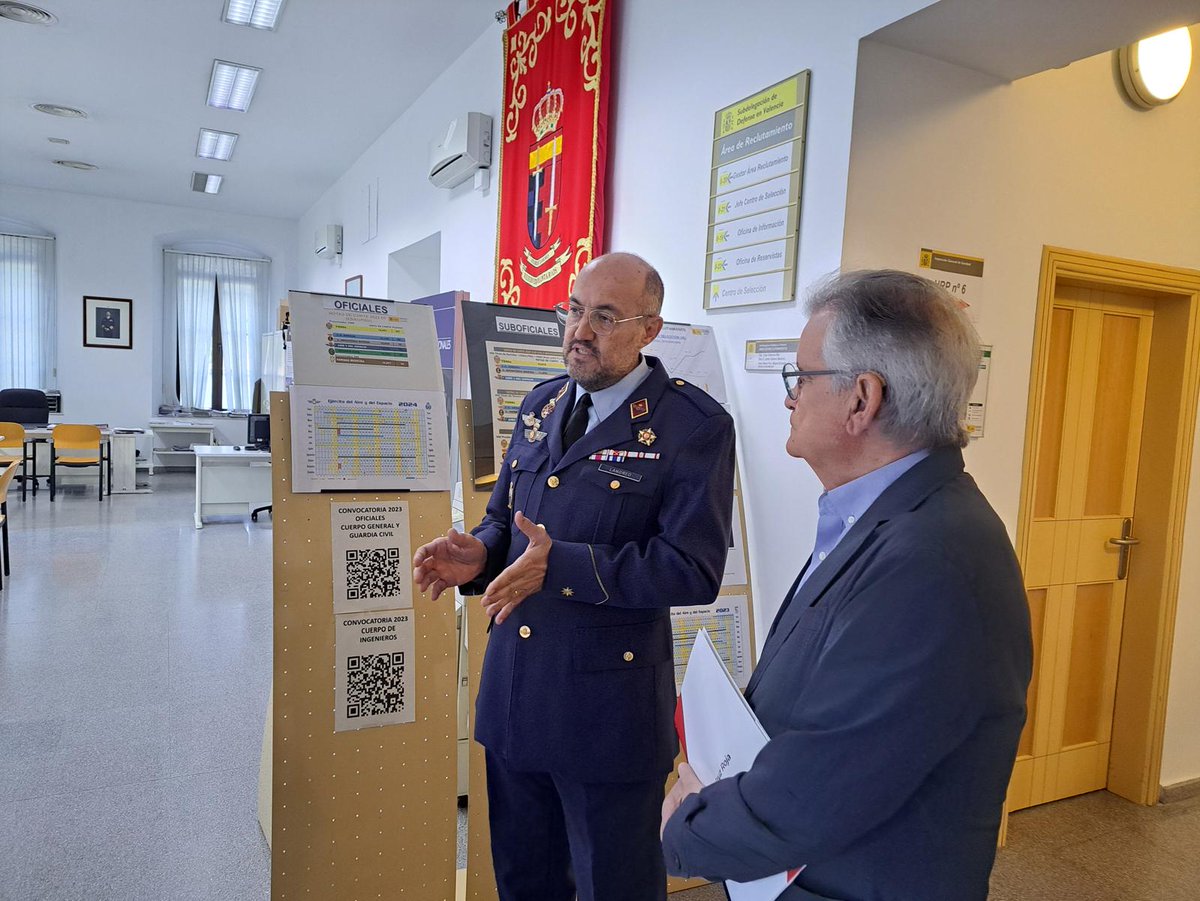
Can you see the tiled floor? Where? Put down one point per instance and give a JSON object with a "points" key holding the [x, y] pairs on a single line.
{"points": [[134, 672]]}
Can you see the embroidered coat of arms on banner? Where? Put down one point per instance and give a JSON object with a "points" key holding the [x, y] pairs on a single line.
{"points": [[552, 148]]}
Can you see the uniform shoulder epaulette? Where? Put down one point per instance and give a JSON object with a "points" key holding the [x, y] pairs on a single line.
{"points": [[704, 401]]}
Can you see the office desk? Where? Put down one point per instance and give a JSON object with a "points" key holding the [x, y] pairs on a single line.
{"points": [[230, 482]]}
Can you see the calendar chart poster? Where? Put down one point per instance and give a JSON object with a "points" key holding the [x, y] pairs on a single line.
{"points": [[374, 684], [373, 439], [728, 623], [372, 557]]}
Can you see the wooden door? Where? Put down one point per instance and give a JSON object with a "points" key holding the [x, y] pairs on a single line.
{"points": [[1087, 446]]}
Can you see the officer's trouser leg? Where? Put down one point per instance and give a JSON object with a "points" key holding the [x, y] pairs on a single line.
{"points": [[613, 831], [529, 837]]}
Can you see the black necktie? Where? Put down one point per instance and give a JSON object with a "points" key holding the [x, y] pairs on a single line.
{"points": [[577, 422]]}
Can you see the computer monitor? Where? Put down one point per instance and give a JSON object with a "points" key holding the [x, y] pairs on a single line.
{"points": [[258, 430]]}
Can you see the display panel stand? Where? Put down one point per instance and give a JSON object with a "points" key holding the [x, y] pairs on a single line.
{"points": [[367, 813], [481, 877]]}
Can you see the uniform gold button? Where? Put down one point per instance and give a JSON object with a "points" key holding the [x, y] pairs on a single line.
{"points": [[628, 655], [680, 382], [614, 484], [524, 631], [552, 481], [513, 464]]}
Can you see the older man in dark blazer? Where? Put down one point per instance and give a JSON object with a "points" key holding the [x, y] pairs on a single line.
{"points": [[892, 683], [614, 503]]}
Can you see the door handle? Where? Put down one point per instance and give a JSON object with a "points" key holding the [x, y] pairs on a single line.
{"points": [[1124, 543]]}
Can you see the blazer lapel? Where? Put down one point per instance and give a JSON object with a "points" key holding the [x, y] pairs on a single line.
{"points": [[552, 424]]}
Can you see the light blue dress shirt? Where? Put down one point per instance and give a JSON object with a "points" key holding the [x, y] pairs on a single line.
{"points": [[606, 400], [840, 508]]}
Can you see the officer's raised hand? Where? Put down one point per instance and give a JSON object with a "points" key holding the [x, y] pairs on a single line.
{"points": [[453, 559], [521, 578]]}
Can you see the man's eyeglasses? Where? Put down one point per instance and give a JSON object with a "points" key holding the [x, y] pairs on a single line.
{"points": [[793, 378], [602, 322]]}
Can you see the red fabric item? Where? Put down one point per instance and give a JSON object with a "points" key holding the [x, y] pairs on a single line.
{"points": [[552, 137], [679, 725]]}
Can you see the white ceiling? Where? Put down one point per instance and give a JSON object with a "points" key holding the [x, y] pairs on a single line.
{"points": [[1014, 38], [335, 76]]}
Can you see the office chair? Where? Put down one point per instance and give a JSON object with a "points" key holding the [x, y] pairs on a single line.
{"points": [[84, 441], [6, 477], [12, 437], [258, 436], [26, 406]]}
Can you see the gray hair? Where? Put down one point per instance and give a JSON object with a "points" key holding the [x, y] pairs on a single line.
{"points": [[913, 334]]}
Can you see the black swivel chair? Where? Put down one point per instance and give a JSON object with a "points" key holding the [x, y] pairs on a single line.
{"points": [[28, 407], [258, 437]]}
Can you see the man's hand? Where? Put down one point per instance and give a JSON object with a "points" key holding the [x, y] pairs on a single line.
{"points": [[688, 784], [521, 578], [454, 559]]}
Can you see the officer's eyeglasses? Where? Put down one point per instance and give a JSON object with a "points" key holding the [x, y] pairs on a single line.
{"points": [[793, 378], [602, 322]]}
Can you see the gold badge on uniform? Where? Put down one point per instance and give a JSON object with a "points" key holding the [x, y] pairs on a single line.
{"points": [[553, 402], [647, 436], [639, 408], [533, 433]]}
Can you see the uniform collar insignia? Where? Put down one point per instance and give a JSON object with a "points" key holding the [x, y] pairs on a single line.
{"points": [[639, 408]]}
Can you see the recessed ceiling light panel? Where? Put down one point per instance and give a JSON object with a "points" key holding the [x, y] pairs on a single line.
{"points": [[1154, 70], [253, 13], [66, 112], [215, 145], [205, 183], [76, 164], [26, 14], [232, 85]]}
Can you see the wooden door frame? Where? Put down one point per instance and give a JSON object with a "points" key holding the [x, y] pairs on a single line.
{"points": [[1168, 431]]}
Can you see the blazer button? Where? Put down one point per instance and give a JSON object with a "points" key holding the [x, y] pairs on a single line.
{"points": [[524, 631], [552, 481], [614, 484], [512, 464], [628, 656]]}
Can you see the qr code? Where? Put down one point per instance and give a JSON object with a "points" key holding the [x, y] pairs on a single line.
{"points": [[374, 684], [373, 573]]}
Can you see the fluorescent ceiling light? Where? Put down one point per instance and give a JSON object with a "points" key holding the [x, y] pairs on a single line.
{"points": [[53, 109], [77, 164], [215, 145], [232, 85], [254, 13], [1154, 70], [205, 183]]}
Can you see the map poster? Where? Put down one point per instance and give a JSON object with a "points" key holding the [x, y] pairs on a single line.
{"points": [[689, 352], [372, 556], [509, 350], [354, 439], [374, 682]]}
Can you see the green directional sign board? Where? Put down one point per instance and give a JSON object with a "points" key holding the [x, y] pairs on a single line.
{"points": [[754, 196]]}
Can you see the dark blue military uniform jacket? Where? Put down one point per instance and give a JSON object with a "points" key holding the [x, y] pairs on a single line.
{"points": [[579, 680], [893, 688]]}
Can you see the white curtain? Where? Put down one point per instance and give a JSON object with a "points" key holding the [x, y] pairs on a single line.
{"points": [[242, 287], [28, 307], [188, 285]]}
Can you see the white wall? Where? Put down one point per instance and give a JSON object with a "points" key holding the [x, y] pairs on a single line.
{"points": [[113, 248], [675, 66], [948, 158]]}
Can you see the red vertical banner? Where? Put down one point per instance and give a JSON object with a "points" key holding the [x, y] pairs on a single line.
{"points": [[552, 148]]}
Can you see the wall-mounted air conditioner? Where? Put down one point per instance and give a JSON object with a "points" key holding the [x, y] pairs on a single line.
{"points": [[465, 149]]}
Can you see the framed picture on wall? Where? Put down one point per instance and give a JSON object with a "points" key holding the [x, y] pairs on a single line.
{"points": [[354, 286], [108, 322]]}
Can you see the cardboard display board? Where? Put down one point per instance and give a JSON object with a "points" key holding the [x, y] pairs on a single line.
{"points": [[368, 813], [481, 877]]}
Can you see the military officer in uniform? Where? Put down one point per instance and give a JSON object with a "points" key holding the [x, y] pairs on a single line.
{"points": [[614, 504]]}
